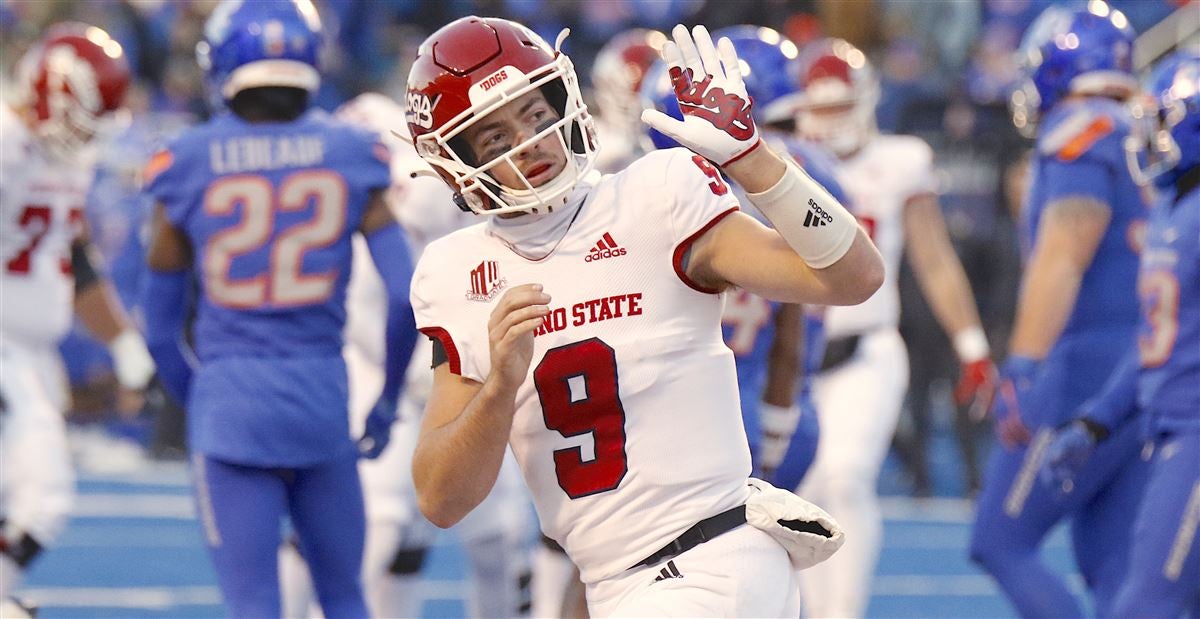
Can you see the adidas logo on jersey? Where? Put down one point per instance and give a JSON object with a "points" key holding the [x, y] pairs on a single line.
{"points": [[816, 216], [606, 247], [670, 571]]}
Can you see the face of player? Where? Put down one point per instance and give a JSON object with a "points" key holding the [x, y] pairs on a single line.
{"points": [[511, 125]]}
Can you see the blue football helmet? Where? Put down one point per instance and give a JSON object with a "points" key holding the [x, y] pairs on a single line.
{"points": [[261, 43], [1083, 50], [1166, 119], [769, 69], [658, 93], [768, 64]]}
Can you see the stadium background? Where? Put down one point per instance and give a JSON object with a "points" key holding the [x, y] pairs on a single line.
{"points": [[133, 547]]}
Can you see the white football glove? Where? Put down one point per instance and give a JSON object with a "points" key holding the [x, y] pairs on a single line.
{"points": [[708, 84], [808, 533]]}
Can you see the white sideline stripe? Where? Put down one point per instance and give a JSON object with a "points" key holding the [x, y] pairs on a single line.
{"points": [[147, 598], [110, 505], [949, 585], [920, 585], [944, 510], [166, 598], [153, 474]]}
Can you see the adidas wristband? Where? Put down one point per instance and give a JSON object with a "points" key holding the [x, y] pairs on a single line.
{"points": [[811, 220]]}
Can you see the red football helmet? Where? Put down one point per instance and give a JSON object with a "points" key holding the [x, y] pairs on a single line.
{"points": [[618, 72], [70, 82], [472, 67], [840, 91]]}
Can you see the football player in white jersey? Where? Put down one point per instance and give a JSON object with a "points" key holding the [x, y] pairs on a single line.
{"points": [[605, 370], [67, 87], [891, 181], [620, 69], [495, 535]]}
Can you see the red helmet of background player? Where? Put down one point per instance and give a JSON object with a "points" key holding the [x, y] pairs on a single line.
{"points": [[70, 82], [618, 72], [470, 68], [836, 74]]}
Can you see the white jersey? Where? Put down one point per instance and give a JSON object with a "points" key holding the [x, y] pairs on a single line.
{"points": [[41, 213], [424, 207], [881, 178], [627, 429]]}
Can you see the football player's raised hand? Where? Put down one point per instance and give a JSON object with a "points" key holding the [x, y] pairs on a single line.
{"points": [[517, 314], [708, 84]]}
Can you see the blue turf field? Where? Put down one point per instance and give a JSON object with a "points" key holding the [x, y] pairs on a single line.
{"points": [[133, 550]]}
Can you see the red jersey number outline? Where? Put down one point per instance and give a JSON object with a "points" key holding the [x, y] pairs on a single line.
{"points": [[717, 185], [578, 389]]}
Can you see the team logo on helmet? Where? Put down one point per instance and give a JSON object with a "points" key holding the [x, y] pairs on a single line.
{"points": [[420, 109]]}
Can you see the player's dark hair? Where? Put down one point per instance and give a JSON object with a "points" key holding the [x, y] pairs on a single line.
{"points": [[270, 103]]}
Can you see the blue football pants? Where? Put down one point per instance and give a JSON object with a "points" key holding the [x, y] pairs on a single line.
{"points": [[242, 510], [1016, 510], [1164, 572]]}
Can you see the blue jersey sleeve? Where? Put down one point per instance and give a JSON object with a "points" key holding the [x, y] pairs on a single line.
{"points": [[1083, 151], [168, 181], [1088, 178]]}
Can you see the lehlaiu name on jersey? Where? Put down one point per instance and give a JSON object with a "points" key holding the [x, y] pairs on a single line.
{"points": [[257, 153]]}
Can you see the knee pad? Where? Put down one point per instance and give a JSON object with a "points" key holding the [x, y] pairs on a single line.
{"points": [[408, 561]]}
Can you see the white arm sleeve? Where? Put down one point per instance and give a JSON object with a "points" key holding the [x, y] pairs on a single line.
{"points": [[808, 217]]}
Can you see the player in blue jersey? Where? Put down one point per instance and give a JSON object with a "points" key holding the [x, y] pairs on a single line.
{"points": [[1076, 315], [259, 204], [774, 344], [1160, 376]]}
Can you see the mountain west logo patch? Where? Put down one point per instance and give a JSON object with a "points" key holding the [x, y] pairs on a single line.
{"points": [[486, 282]]}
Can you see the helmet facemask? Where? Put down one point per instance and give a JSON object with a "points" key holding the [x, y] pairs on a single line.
{"points": [[1150, 149], [446, 149]]}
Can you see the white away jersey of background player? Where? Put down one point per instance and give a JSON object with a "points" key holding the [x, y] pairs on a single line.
{"points": [[41, 212], [425, 209], [880, 179], [628, 429]]}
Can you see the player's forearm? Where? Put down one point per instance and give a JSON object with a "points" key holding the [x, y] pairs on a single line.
{"points": [[455, 465], [1117, 400], [1047, 297], [855, 276], [816, 226], [945, 286], [389, 252], [783, 369], [164, 302], [100, 311]]}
